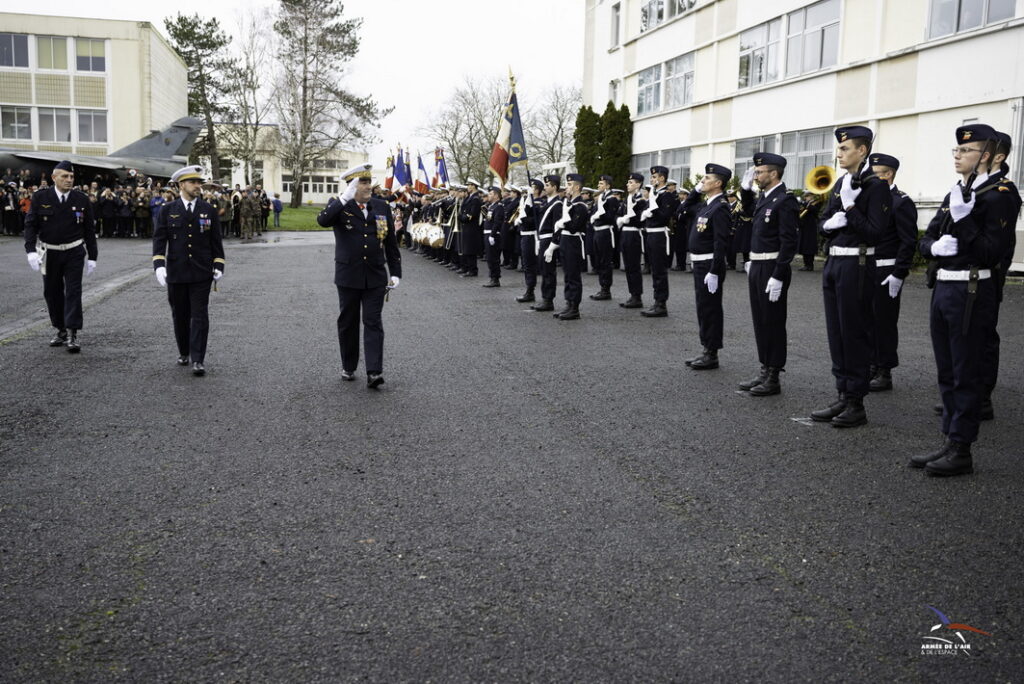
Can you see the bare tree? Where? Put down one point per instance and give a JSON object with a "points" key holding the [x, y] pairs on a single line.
{"points": [[549, 124]]}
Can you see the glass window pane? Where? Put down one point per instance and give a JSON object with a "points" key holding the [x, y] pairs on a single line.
{"points": [[796, 22], [998, 10], [21, 51], [744, 77], [971, 12], [812, 51], [44, 54], [767, 144], [774, 30], [830, 46], [822, 13], [60, 53], [943, 19], [46, 131], [793, 55], [99, 127], [788, 143], [97, 48], [758, 66], [772, 67], [63, 125], [84, 127], [752, 38], [82, 63], [83, 48]]}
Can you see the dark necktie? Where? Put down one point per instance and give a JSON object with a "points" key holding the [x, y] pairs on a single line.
{"points": [[188, 210]]}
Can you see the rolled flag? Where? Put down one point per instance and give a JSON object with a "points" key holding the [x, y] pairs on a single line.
{"points": [[440, 169], [389, 178], [422, 184], [402, 176]]}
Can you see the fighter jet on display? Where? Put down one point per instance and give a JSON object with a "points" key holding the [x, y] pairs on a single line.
{"points": [[158, 155]]}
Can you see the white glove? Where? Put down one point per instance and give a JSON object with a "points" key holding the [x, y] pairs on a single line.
{"points": [[549, 253], [621, 221], [846, 192], [161, 276], [957, 207], [837, 221], [394, 281], [746, 267], [529, 199], [774, 289], [217, 274], [945, 246], [747, 182], [491, 241], [647, 213], [700, 187], [90, 266], [350, 191], [711, 280], [894, 284], [33, 261]]}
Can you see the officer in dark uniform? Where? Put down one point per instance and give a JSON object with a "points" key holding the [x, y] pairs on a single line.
{"points": [[364, 243], [549, 213], [709, 246], [493, 223], [531, 206], [660, 209], [606, 210], [188, 257], [809, 215], [509, 230], [855, 220], [569, 237], [968, 238], [631, 240], [471, 229], [741, 233], [774, 220], [894, 256], [60, 241]]}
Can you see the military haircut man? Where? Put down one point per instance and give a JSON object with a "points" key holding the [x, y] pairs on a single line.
{"points": [[606, 211]]}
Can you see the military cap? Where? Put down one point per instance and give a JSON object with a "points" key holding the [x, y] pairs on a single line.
{"points": [[360, 171], [554, 180], [511, 187], [844, 133], [638, 177], [494, 188], [64, 166], [574, 177], [194, 172], [662, 170], [607, 179], [976, 132], [648, 187], [769, 159], [671, 181], [1004, 140], [473, 181], [537, 183], [878, 159], [618, 191], [516, 189], [719, 170]]}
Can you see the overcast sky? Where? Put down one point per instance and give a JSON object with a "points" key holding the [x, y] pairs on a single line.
{"points": [[413, 54]]}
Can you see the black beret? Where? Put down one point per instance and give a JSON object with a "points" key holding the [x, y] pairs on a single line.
{"points": [[975, 132], [885, 160], [720, 171], [554, 180], [607, 179], [577, 177], [846, 132], [769, 159], [64, 166], [537, 183], [1004, 140], [662, 170], [638, 177], [494, 188]]}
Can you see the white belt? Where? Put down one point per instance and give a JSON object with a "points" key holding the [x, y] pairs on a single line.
{"points": [[630, 229], [43, 247], [849, 251], [702, 257], [964, 276], [524, 233], [885, 262], [763, 256], [602, 227], [657, 229]]}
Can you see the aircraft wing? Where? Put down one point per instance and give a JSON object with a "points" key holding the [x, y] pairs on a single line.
{"points": [[77, 159]]}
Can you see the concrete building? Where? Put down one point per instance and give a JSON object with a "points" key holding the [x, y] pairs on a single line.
{"points": [[717, 80], [85, 86]]}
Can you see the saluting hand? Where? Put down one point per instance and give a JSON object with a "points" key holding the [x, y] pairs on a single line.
{"points": [[747, 182], [847, 193]]}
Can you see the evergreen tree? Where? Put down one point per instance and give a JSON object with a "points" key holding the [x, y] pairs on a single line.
{"points": [[588, 144], [616, 143]]}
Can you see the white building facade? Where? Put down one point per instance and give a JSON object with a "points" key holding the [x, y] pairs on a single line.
{"points": [[717, 80]]}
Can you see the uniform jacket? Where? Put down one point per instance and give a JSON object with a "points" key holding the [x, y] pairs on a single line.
{"points": [[868, 218], [1011, 188], [54, 223], [190, 248], [775, 225], [900, 241], [548, 212], [638, 204], [711, 229], [365, 248], [579, 218], [495, 218], [606, 210], [664, 204]]}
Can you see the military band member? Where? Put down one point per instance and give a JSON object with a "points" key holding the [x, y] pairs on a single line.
{"points": [[606, 210], [493, 223], [509, 231], [660, 209], [367, 263], [856, 218], [188, 257], [470, 229], [894, 256], [531, 207], [632, 243], [551, 214], [569, 237], [60, 242], [809, 214], [709, 246]]}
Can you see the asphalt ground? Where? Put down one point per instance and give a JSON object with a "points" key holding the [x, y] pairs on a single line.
{"points": [[523, 500]]}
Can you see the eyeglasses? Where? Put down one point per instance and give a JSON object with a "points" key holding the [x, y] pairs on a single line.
{"points": [[962, 151]]}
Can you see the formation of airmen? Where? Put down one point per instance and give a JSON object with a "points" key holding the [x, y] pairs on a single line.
{"points": [[869, 227]]}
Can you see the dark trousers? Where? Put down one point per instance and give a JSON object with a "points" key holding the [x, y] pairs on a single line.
{"points": [[62, 287], [657, 259], [958, 355], [769, 317], [529, 250], [886, 313], [371, 301], [848, 289], [632, 250], [124, 226], [990, 357], [548, 272], [678, 244], [573, 263], [602, 257], [710, 317], [493, 253], [468, 263], [509, 242], [190, 305]]}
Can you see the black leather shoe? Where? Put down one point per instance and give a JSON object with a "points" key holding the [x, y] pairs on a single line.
{"points": [[469, 275], [826, 414], [544, 305], [633, 302], [526, 297], [657, 310], [60, 339], [493, 282], [921, 460], [986, 412], [197, 369], [753, 382], [882, 380], [374, 380], [73, 346], [348, 376], [591, 272], [770, 387], [698, 357], [707, 361], [183, 360], [957, 461], [853, 415], [601, 296], [572, 313]]}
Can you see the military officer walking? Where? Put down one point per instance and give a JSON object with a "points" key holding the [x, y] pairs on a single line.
{"points": [[606, 210], [364, 244], [632, 243], [188, 257], [60, 241]]}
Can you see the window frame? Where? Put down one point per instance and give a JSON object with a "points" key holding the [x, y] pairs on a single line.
{"points": [[801, 39], [654, 86], [51, 39], [91, 57], [92, 115], [986, 18], [22, 111], [616, 24], [767, 48], [685, 78], [51, 114]]}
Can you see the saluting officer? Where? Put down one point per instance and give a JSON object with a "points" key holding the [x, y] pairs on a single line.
{"points": [[710, 239], [188, 257], [660, 210], [857, 216], [606, 210], [774, 220], [60, 241], [469, 226], [631, 240], [968, 238], [364, 244], [894, 256], [550, 212], [495, 220], [530, 207], [569, 237]]}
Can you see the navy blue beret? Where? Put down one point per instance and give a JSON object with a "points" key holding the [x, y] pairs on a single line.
{"points": [[885, 160], [769, 159]]}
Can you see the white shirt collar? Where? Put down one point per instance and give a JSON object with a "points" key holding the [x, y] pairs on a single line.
{"points": [[711, 199], [765, 194]]}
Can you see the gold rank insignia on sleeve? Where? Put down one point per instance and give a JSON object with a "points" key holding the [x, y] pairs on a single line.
{"points": [[46, 206], [175, 215]]}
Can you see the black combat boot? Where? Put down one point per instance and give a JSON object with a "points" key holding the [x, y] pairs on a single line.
{"points": [[567, 309], [881, 381], [634, 302], [707, 361], [572, 313], [826, 414], [921, 460], [657, 310], [601, 296], [698, 357], [493, 282], [957, 461], [754, 381], [544, 305], [73, 345], [526, 296], [853, 415], [60, 339], [770, 385]]}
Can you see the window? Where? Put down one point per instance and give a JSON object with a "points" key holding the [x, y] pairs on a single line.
{"points": [[678, 162], [747, 148], [813, 40], [224, 170], [92, 126], [16, 123], [952, 16], [759, 54], [642, 163], [331, 186], [654, 12], [90, 55], [679, 81], [317, 184], [13, 50], [613, 92], [649, 90], [54, 125], [616, 21], [803, 151], [52, 52], [287, 180]]}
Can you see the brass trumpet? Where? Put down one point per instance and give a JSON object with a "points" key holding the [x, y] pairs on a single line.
{"points": [[819, 181]]}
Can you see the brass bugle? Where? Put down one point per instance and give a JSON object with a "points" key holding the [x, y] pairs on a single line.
{"points": [[820, 180]]}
